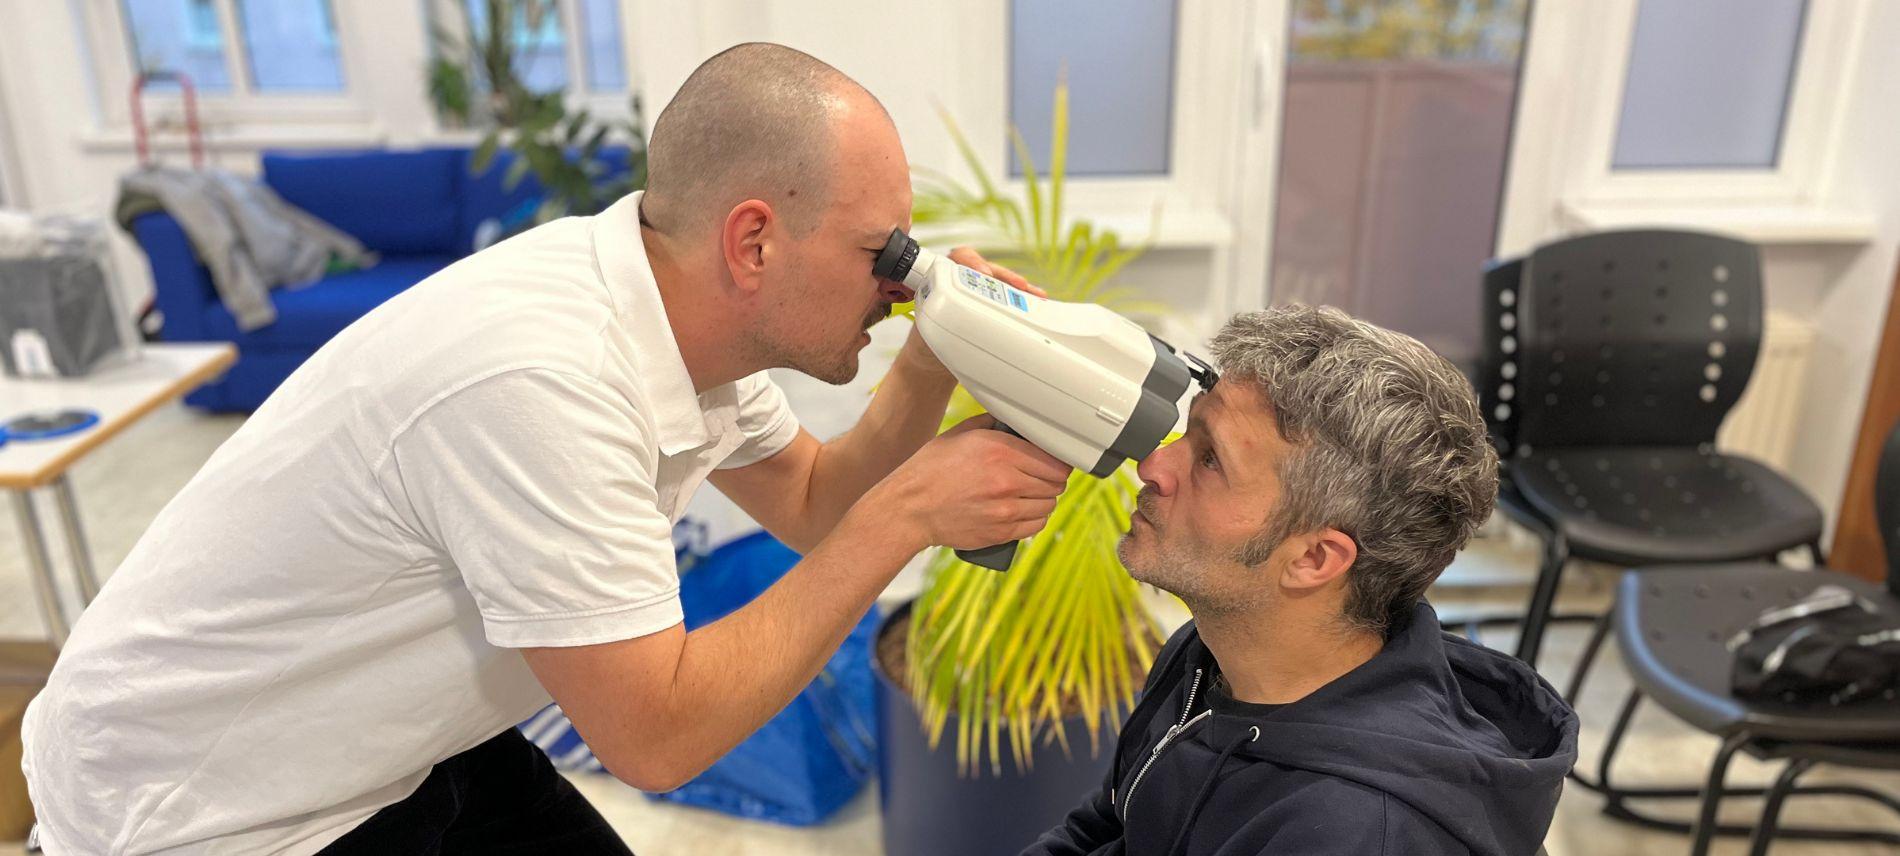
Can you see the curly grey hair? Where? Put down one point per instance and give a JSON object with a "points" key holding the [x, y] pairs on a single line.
{"points": [[1389, 448]]}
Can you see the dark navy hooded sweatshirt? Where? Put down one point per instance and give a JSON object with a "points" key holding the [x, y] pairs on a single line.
{"points": [[1434, 746]]}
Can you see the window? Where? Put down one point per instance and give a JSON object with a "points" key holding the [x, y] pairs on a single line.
{"points": [[540, 46], [284, 45], [1396, 119], [292, 46], [546, 60], [1708, 83], [606, 61], [180, 36], [1718, 115], [202, 26], [1118, 58]]}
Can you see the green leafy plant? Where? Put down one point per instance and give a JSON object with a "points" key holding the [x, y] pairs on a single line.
{"points": [[478, 80], [1064, 631]]}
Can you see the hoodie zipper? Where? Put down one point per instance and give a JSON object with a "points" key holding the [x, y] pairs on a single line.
{"points": [[1193, 690]]}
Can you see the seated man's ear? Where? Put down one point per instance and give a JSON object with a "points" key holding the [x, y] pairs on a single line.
{"points": [[1323, 555]]}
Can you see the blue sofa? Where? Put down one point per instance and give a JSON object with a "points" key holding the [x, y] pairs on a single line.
{"points": [[417, 209]]}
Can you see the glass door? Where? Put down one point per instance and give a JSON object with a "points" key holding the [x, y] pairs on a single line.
{"points": [[1393, 130]]}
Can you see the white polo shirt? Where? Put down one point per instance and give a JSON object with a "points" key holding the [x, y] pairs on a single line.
{"points": [[492, 460]]}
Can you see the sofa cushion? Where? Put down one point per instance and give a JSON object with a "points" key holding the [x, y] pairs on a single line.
{"points": [[396, 202], [308, 316]]}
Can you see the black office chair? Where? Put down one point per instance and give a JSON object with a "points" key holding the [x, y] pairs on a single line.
{"points": [[1497, 371], [1496, 382], [1611, 364], [1672, 627]]}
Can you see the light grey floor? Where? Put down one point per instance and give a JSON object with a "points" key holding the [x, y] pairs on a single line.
{"points": [[124, 484]]}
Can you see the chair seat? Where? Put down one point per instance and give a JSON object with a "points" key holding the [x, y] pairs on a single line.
{"points": [[1647, 505], [1673, 625]]}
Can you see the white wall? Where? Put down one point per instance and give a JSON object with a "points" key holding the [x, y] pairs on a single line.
{"points": [[1843, 290]]}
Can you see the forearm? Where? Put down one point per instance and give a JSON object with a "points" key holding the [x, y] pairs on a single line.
{"points": [[733, 675], [903, 415]]}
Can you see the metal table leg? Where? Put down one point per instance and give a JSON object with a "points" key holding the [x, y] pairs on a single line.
{"points": [[76, 540], [42, 566]]}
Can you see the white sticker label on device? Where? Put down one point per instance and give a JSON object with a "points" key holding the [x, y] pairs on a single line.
{"points": [[992, 289]]}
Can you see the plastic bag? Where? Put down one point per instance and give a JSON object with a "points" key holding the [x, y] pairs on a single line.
{"points": [[1833, 647], [59, 302], [807, 761]]}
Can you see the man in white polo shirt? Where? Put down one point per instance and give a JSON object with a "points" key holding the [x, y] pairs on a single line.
{"points": [[462, 507]]}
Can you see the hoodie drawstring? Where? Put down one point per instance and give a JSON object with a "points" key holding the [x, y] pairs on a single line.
{"points": [[1207, 789]]}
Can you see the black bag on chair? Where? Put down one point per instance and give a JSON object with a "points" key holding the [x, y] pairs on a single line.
{"points": [[1832, 646]]}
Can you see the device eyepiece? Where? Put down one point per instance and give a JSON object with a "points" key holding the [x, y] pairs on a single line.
{"points": [[895, 261]]}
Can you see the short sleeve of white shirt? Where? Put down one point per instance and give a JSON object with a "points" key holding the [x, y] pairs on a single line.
{"points": [[539, 486], [765, 420]]}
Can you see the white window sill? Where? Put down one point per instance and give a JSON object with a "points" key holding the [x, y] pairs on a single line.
{"points": [[1762, 224], [252, 138], [1176, 229]]}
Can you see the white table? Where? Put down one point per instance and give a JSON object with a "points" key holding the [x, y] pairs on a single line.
{"points": [[121, 394]]}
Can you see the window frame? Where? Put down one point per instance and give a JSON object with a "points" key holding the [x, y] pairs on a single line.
{"points": [[614, 101], [1810, 120], [111, 45], [580, 85], [1560, 179], [1209, 103], [579, 92]]}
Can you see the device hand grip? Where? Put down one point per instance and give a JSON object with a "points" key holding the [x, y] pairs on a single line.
{"points": [[996, 557]]}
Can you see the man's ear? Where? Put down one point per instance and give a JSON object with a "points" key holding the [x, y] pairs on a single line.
{"points": [[1324, 556], [744, 242]]}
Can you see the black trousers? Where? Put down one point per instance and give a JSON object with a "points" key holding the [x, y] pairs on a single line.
{"points": [[502, 797]]}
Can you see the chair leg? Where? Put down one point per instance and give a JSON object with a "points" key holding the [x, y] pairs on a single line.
{"points": [[1771, 811], [1537, 615], [1814, 550], [1616, 807], [1602, 630], [1613, 797], [1712, 794]]}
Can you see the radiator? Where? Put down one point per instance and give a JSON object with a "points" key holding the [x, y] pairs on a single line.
{"points": [[1762, 425]]}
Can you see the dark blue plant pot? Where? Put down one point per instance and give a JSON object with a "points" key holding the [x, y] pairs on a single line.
{"points": [[930, 810]]}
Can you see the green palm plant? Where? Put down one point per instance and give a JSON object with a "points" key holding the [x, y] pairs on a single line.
{"points": [[476, 78], [1063, 632]]}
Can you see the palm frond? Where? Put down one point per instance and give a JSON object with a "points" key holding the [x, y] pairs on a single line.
{"points": [[1009, 657]]}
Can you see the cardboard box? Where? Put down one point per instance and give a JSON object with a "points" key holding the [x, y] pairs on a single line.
{"points": [[23, 669]]}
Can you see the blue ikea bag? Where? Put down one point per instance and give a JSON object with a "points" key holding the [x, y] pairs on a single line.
{"points": [[807, 761]]}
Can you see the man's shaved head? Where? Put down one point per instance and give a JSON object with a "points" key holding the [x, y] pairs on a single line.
{"points": [[773, 183], [756, 121]]}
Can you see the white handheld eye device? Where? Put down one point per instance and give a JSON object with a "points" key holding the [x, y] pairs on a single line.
{"points": [[1082, 383]]}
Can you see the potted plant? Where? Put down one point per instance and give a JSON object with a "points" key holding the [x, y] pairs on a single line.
{"points": [[475, 80], [1022, 664]]}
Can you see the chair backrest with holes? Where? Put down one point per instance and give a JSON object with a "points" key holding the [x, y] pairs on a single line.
{"points": [[1497, 370], [1887, 506], [1635, 338]]}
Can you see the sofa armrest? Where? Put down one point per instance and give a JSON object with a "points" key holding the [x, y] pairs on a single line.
{"points": [[181, 281]]}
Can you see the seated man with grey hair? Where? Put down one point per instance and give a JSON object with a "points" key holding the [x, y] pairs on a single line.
{"points": [[1314, 706]]}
